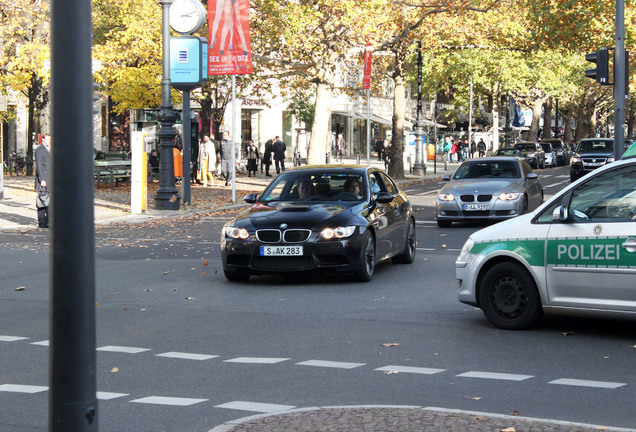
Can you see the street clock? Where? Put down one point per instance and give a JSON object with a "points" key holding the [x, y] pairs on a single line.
{"points": [[187, 16]]}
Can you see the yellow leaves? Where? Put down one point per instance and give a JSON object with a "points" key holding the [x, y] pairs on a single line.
{"points": [[20, 288]]}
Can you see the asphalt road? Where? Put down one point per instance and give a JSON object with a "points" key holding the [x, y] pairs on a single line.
{"points": [[182, 349]]}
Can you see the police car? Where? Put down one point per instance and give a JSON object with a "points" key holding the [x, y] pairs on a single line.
{"points": [[575, 253]]}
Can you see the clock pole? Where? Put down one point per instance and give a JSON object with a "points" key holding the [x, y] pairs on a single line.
{"points": [[167, 197]]}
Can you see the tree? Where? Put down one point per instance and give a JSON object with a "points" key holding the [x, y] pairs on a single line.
{"points": [[24, 42]]}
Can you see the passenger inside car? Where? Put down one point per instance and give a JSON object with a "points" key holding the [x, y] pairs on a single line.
{"points": [[304, 189]]}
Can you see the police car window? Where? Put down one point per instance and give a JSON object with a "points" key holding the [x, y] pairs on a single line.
{"points": [[610, 197]]}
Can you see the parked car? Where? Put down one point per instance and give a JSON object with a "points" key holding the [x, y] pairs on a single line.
{"points": [[590, 154], [532, 152], [576, 254], [563, 152], [507, 152], [312, 218], [550, 154], [495, 188]]}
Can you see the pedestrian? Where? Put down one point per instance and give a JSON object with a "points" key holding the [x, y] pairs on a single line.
{"points": [[42, 180], [208, 155], [251, 152], [473, 148], [378, 148], [153, 162], [386, 153], [481, 147], [227, 147], [278, 150], [453, 149], [267, 156], [340, 143]]}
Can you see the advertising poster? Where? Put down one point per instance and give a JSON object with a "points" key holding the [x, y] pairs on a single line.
{"points": [[229, 51]]}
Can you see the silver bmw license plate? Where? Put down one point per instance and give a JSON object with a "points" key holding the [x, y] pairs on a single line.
{"points": [[281, 250], [477, 207]]}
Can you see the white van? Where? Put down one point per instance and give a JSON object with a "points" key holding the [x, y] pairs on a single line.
{"points": [[576, 253]]}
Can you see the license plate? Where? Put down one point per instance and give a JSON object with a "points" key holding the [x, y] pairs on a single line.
{"points": [[476, 207], [281, 250], [594, 164]]}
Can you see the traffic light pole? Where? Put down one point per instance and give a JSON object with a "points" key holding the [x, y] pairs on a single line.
{"points": [[619, 81]]}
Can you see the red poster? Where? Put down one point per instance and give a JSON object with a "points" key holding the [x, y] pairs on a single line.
{"points": [[229, 37], [366, 80]]}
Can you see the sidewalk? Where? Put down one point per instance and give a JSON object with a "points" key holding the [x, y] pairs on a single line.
{"points": [[17, 208], [399, 419]]}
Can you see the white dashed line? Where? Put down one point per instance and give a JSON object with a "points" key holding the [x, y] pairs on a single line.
{"points": [[17, 388], [41, 343], [174, 401], [122, 349], [186, 356], [11, 338], [587, 383], [496, 376], [410, 369], [255, 407], [109, 395], [330, 364], [256, 360]]}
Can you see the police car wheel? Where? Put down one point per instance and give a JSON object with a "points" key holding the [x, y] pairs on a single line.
{"points": [[509, 297]]}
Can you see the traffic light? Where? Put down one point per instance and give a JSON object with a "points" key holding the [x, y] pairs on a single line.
{"points": [[601, 59]]}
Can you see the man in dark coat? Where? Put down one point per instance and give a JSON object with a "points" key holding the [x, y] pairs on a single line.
{"points": [[267, 156], [278, 148], [227, 146], [43, 165]]}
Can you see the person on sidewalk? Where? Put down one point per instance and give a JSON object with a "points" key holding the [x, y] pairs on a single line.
{"points": [[278, 149], [208, 165], [43, 165], [251, 152], [267, 156], [227, 147], [340, 143]]}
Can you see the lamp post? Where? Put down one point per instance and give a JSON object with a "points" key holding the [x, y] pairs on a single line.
{"points": [[419, 168], [167, 197]]}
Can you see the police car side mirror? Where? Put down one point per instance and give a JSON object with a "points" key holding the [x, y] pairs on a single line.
{"points": [[533, 176], [251, 198], [560, 214]]}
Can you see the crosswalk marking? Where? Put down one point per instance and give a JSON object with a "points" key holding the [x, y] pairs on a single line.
{"points": [[256, 360], [174, 401], [122, 349], [11, 338], [330, 364], [497, 376], [18, 388], [186, 356], [255, 407], [588, 383], [410, 369]]}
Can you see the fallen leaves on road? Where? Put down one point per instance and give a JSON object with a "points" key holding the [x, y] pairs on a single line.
{"points": [[205, 263], [391, 372], [509, 429], [390, 344], [567, 333], [20, 288], [114, 369]]}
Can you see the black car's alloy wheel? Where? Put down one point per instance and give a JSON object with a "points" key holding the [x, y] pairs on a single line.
{"points": [[367, 259], [509, 297], [410, 244]]}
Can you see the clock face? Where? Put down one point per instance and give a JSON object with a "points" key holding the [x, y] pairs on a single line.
{"points": [[186, 16]]}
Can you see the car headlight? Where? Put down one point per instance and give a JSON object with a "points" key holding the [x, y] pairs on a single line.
{"points": [[236, 233], [610, 159], [446, 197], [509, 196], [575, 159], [338, 233]]}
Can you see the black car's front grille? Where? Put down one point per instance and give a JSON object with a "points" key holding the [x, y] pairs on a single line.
{"points": [[282, 263], [484, 198], [268, 235], [296, 235], [467, 198], [471, 198]]}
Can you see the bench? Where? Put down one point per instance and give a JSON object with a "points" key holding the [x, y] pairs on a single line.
{"points": [[111, 171]]}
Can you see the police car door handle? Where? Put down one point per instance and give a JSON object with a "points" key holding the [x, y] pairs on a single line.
{"points": [[630, 244]]}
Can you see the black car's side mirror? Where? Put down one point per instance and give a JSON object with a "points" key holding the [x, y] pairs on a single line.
{"points": [[251, 198], [532, 176], [383, 197], [446, 177]]}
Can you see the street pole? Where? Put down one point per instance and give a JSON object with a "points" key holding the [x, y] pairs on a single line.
{"points": [[368, 127], [233, 137], [419, 168], [167, 197], [72, 356], [187, 144], [470, 118], [619, 81]]}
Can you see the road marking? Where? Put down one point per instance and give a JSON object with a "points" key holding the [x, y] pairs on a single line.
{"points": [[174, 401], [425, 222], [588, 383], [410, 369], [109, 395], [11, 338], [494, 375], [122, 349], [256, 360], [255, 406], [41, 343], [186, 356], [330, 364], [17, 388]]}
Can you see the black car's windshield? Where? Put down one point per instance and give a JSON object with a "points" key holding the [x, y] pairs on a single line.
{"points": [[525, 147], [496, 169], [324, 186], [592, 146]]}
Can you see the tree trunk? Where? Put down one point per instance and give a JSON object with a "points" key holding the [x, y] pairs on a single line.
{"points": [[537, 105], [396, 153], [320, 137], [547, 119]]}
